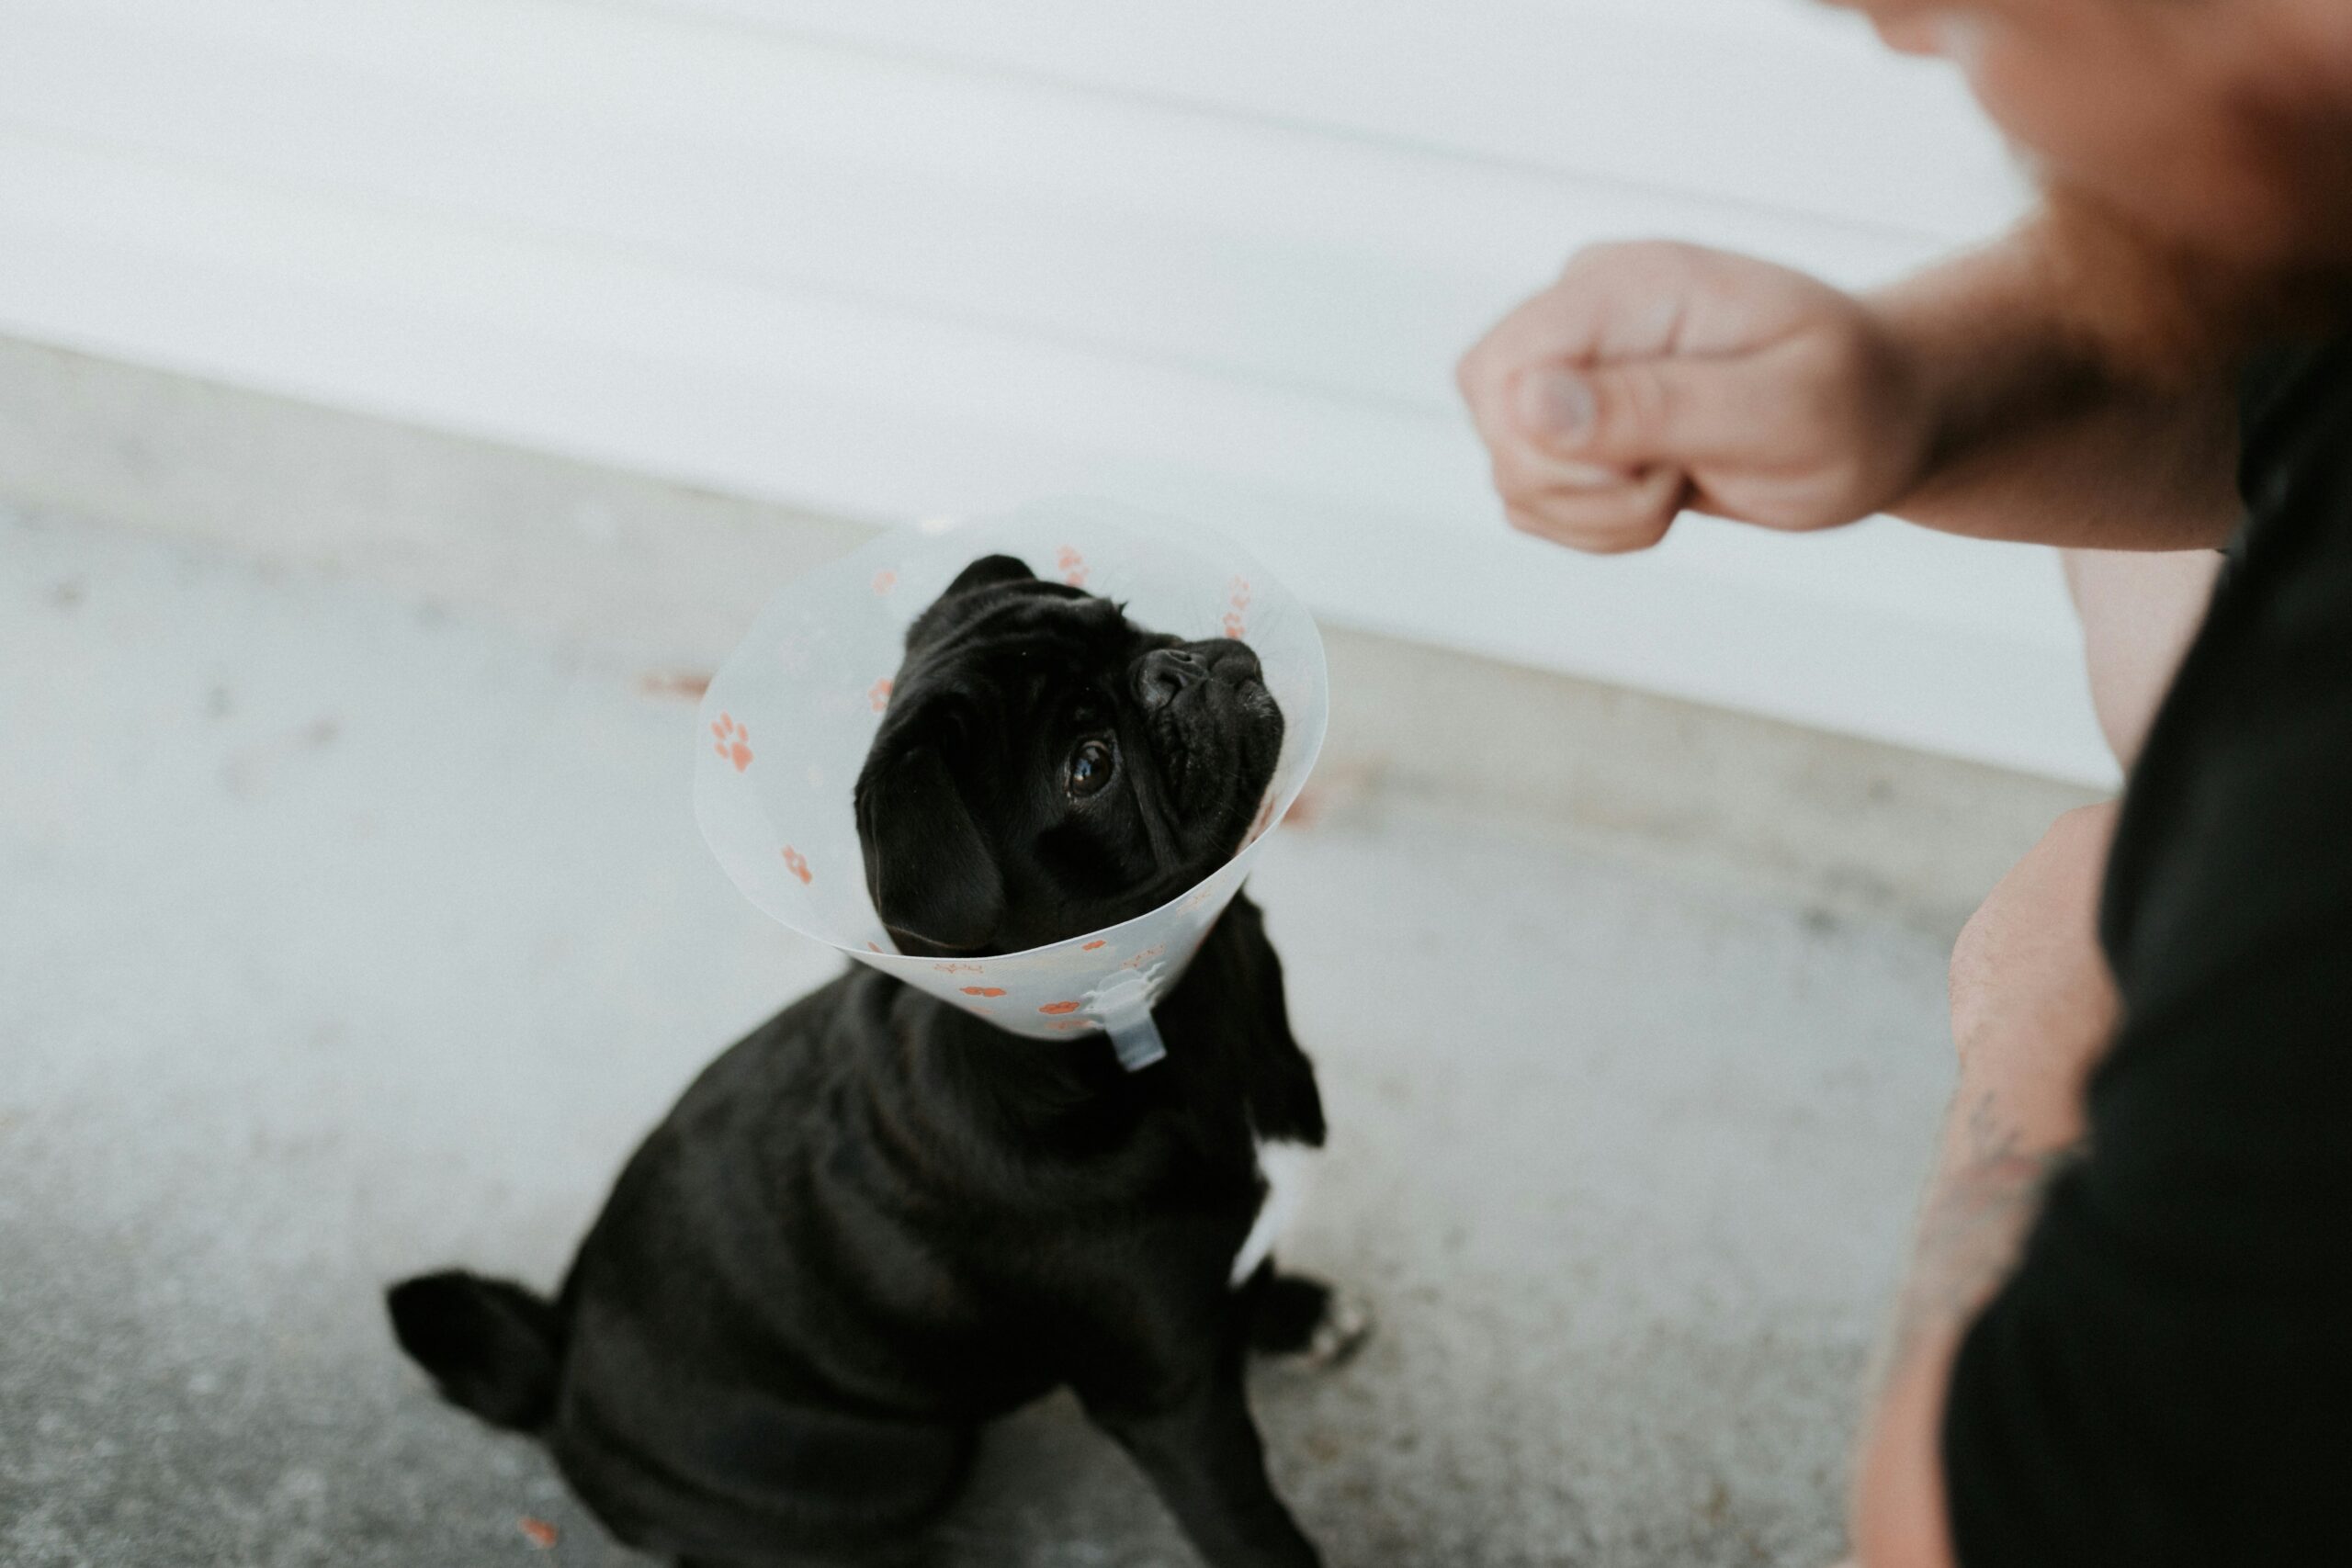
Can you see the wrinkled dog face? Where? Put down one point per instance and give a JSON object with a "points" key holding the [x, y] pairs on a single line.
{"points": [[1047, 768]]}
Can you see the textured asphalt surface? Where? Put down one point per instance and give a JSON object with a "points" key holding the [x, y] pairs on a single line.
{"points": [[340, 936]]}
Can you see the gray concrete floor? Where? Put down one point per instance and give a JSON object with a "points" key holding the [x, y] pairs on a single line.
{"points": [[340, 936]]}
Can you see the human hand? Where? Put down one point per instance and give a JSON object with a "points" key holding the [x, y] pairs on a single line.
{"points": [[1655, 377]]}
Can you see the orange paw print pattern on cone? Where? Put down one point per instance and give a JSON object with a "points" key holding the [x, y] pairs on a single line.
{"points": [[984, 990], [1236, 607], [734, 741], [1060, 1006], [1073, 566], [797, 864], [879, 693], [884, 581]]}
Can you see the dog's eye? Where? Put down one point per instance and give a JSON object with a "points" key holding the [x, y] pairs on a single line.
{"points": [[1090, 767]]}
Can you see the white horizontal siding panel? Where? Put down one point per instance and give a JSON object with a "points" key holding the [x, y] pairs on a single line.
{"points": [[893, 285], [815, 400], [1782, 104], [923, 388], [1273, 254]]}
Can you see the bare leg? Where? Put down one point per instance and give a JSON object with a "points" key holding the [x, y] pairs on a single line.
{"points": [[2139, 609]]}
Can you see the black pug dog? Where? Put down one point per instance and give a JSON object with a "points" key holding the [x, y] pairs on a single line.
{"points": [[879, 1222]]}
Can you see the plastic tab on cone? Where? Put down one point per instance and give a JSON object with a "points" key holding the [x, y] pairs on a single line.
{"points": [[1124, 1009]]}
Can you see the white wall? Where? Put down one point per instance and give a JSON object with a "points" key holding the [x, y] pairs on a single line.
{"points": [[902, 257]]}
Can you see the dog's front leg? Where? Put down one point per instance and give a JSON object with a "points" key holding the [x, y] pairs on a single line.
{"points": [[1201, 1454]]}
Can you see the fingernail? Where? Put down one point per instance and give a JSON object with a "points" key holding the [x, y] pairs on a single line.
{"points": [[1554, 407]]}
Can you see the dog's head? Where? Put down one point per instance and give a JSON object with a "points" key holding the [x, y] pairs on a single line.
{"points": [[1046, 767]]}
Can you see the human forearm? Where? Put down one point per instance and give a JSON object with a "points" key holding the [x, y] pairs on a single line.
{"points": [[2035, 436], [1655, 378], [2001, 1140]]}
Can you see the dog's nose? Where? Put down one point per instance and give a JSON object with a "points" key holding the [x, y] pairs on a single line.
{"points": [[1163, 672]]}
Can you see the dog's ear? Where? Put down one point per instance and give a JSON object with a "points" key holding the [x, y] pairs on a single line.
{"points": [[949, 610], [988, 572], [932, 878]]}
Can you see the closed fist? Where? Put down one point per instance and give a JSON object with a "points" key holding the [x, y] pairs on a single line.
{"points": [[1655, 377]]}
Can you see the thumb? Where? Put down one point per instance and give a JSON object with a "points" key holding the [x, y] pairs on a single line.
{"points": [[1632, 415]]}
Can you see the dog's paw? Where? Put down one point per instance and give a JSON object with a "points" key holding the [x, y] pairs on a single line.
{"points": [[1308, 1323], [1342, 1331]]}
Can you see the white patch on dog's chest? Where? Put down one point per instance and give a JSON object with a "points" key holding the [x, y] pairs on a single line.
{"points": [[1284, 1167]]}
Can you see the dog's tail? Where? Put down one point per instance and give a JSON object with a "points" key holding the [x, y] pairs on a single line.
{"points": [[493, 1349]]}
